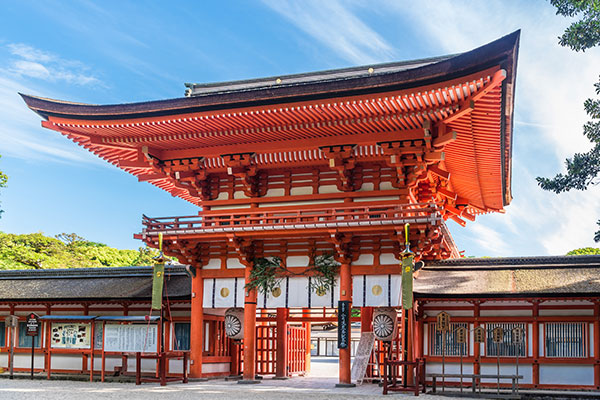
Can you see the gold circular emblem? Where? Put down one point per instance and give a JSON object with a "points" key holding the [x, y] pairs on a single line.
{"points": [[276, 292], [224, 292], [377, 290], [158, 274], [321, 291], [407, 269]]}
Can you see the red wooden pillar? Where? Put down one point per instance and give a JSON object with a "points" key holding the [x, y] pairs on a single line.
{"points": [[476, 346], [366, 319], [597, 345], [307, 326], [419, 332], [249, 372], [344, 354], [281, 362], [197, 326], [535, 378]]}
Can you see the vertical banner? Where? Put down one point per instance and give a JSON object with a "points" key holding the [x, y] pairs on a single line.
{"points": [[407, 281], [408, 267], [343, 324], [158, 277]]}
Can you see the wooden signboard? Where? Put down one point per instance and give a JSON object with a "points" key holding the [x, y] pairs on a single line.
{"points": [[130, 338], [363, 354], [343, 324], [33, 325]]}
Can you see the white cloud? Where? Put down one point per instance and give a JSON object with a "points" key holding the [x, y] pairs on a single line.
{"points": [[336, 27], [29, 62], [21, 135]]}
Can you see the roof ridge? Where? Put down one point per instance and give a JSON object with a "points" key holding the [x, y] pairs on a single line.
{"points": [[84, 272]]}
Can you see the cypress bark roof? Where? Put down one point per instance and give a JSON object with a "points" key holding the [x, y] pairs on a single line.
{"points": [[124, 283]]}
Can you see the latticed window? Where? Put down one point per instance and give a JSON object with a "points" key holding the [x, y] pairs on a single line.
{"points": [[506, 348], [2, 334], [182, 336], [566, 339], [447, 342]]}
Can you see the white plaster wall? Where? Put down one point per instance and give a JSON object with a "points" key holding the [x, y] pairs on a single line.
{"points": [[300, 203], [229, 207], [557, 374], [329, 189], [450, 368], [381, 198], [297, 261], [3, 360], [239, 194], [365, 259], [525, 370], [23, 360], [233, 263], [213, 263], [592, 350], [274, 193], [505, 313], [388, 259], [566, 312], [302, 190], [66, 361], [216, 367], [367, 187], [386, 186]]}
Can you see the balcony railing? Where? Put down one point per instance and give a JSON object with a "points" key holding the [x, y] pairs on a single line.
{"points": [[255, 219]]}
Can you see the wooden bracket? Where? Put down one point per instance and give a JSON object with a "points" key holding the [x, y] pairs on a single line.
{"points": [[341, 159], [245, 249], [241, 165]]}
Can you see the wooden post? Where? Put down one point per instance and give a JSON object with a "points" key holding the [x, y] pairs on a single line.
{"points": [[307, 326], [535, 341], [281, 366], [419, 332], [249, 373], [366, 319], [597, 345], [197, 326], [476, 346], [344, 354]]}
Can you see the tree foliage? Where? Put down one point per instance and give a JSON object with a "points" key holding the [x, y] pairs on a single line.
{"points": [[35, 250], [583, 169], [584, 251]]}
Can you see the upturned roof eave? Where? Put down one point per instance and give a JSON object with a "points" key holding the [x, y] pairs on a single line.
{"points": [[502, 52]]}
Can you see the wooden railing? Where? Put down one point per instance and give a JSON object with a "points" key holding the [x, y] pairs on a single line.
{"points": [[257, 219]]}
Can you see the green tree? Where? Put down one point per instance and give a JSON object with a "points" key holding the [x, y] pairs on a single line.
{"points": [[3, 180], [584, 251], [35, 250], [583, 168]]}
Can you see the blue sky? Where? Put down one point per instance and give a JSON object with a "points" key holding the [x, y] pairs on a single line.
{"points": [[127, 51]]}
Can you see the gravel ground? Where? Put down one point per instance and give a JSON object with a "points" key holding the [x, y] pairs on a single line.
{"points": [[296, 388]]}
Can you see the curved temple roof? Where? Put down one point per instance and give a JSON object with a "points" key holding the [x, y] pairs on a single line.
{"points": [[471, 93]]}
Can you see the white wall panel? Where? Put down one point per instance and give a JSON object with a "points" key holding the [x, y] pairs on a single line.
{"points": [[566, 374]]}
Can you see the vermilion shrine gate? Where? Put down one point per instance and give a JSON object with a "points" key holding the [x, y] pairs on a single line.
{"points": [[326, 162]]}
